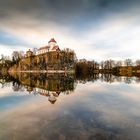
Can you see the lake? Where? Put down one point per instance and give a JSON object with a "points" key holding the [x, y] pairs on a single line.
{"points": [[100, 107]]}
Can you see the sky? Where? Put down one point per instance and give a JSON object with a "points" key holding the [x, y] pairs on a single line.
{"points": [[94, 29]]}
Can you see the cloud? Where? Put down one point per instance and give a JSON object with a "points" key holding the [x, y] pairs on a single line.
{"points": [[95, 29], [63, 11], [116, 38], [10, 39]]}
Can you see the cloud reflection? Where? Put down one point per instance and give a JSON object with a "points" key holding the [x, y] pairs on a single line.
{"points": [[92, 113]]}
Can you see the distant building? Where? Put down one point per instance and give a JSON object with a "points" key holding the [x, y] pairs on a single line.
{"points": [[29, 89], [52, 99], [29, 53], [52, 46], [47, 58], [52, 95]]}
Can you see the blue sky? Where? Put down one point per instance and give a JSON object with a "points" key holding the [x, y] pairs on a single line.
{"points": [[95, 29]]}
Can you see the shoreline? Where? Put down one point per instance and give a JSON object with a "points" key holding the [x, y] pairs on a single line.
{"points": [[44, 71]]}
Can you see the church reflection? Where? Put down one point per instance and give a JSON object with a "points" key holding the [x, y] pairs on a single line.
{"points": [[48, 85], [52, 95], [52, 85]]}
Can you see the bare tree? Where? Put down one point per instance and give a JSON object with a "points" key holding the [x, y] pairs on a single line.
{"points": [[118, 63], [34, 50], [17, 55], [128, 62], [137, 62]]}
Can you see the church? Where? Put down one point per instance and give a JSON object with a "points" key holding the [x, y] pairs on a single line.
{"points": [[48, 57], [52, 46]]}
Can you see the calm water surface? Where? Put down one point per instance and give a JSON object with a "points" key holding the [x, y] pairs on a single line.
{"points": [[92, 111]]}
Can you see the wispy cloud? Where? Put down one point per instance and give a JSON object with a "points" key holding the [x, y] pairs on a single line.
{"points": [[95, 29]]}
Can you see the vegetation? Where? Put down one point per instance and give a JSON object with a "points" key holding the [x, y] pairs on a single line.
{"points": [[57, 60], [122, 68], [84, 67], [66, 60]]}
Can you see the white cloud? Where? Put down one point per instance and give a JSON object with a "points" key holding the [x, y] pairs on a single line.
{"points": [[7, 49], [116, 38]]}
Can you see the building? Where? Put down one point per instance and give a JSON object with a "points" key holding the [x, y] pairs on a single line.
{"points": [[29, 89], [47, 58], [29, 53], [52, 99], [52, 46]]}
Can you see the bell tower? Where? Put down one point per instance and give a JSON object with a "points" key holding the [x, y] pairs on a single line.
{"points": [[52, 43]]}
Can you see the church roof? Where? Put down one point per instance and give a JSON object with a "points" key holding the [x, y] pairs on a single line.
{"points": [[55, 47], [52, 40], [52, 99], [45, 47], [43, 94]]}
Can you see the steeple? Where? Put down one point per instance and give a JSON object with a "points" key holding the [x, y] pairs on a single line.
{"points": [[52, 40], [52, 43]]}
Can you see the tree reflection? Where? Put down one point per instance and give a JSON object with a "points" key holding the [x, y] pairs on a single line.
{"points": [[44, 84], [52, 85]]}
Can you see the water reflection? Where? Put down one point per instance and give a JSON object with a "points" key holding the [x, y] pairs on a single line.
{"points": [[100, 107], [51, 85]]}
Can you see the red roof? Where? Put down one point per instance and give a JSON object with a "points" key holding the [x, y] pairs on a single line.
{"points": [[43, 94], [45, 47], [52, 40], [55, 47]]}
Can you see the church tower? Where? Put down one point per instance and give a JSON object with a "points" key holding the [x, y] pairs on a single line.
{"points": [[52, 43]]}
